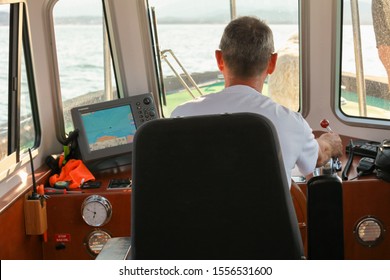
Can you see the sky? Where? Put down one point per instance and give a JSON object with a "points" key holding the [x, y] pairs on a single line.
{"points": [[169, 7], [198, 6], [78, 7], [89, 7]]}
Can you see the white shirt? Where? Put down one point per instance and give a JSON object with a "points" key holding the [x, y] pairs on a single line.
{"points": [[296, 139]]}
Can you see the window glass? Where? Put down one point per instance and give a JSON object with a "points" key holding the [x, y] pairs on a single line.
{"points": [[365, 65], [4, 64], [85, 73], [191, 30]]}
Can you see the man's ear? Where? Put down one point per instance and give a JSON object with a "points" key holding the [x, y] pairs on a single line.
{"points": [[272, 63], [220, 62]]}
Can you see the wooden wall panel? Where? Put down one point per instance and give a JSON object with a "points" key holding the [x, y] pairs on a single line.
{"points": [[64, 218], [362, 198], [14, 243]]}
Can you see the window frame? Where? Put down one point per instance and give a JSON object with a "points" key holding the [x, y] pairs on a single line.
{"points": [[19, 37], [337, 36], [304, 57], [107, 26]]}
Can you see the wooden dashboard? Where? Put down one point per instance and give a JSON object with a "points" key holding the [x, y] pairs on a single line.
{"points": [[68, 234], [364, 198]]}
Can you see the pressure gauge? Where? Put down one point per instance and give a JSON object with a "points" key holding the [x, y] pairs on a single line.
{"points": [[96, 240], [96, 210]]}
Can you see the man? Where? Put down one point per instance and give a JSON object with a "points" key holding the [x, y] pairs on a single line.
{"points": [[245, 58]]}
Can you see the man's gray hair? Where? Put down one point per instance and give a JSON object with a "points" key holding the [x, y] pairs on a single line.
{"points": [[247, 44]]}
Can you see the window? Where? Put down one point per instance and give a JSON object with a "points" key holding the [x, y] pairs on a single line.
{"points": [[19, 127], [188, 32], [83, 55], [365, 63], [4, 63]]}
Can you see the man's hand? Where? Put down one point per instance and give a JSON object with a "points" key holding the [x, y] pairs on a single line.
{"points": [[330, 145]]}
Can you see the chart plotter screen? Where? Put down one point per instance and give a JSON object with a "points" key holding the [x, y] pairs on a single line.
{"points": [[109, 127]]}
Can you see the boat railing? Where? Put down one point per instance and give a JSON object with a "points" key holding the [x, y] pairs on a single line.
{"points": [[164, 54], [360, 81]]}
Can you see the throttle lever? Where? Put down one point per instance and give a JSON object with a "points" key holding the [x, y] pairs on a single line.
{"points": [[336, 163]]}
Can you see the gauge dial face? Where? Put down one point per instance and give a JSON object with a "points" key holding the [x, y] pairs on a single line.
{"points": [[96, 210], [96, 241]]}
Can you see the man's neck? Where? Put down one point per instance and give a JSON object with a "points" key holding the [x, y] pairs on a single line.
{"points": [[255, 83]]}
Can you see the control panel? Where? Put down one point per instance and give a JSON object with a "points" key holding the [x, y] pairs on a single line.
{"points": [[143, 108], [364, 148], [78, 231], [80, 224]]}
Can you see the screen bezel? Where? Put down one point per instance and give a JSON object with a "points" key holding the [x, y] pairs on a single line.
{"points": [[86, 154]]}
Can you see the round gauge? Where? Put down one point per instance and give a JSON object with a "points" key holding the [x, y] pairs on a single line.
{"points": [[96, 241], [96, 210]]}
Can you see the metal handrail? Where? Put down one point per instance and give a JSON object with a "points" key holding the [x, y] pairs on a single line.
{"points": [[191, 80], [360, 81], [233, 9]]}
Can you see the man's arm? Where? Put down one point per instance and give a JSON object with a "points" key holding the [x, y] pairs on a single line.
{"points": [[329, 145]]}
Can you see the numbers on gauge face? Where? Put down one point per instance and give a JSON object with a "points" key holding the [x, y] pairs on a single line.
{"points": [[96, 210]]}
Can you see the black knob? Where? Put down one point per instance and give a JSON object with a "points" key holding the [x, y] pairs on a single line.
{"points": [[60, 246], [147, 101]]}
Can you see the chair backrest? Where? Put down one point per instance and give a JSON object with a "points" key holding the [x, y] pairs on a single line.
{"points": [[325, 227], [211, 187]]}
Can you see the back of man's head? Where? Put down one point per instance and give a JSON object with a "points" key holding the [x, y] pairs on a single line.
{"points": [[247, 44]]}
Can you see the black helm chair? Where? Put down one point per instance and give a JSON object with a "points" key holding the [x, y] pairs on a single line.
{"points": [[211, 187]]}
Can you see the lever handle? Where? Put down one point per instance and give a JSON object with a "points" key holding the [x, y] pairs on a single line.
{"points": [[325, 124]]}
